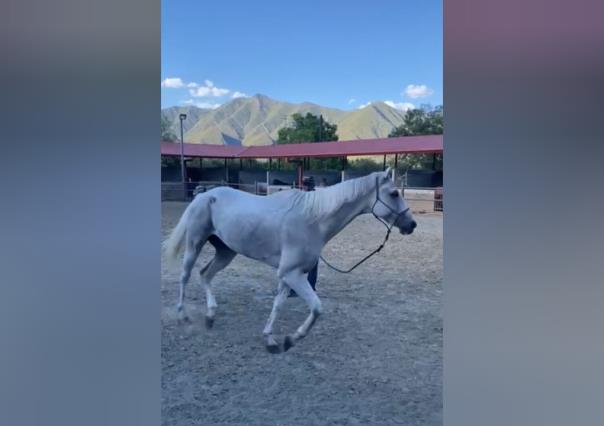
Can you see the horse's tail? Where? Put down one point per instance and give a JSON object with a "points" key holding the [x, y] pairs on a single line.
{"points": [[173, 244]]}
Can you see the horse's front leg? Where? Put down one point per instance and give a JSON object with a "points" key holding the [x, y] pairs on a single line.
{"points": [[271, 344], [297, 281]]}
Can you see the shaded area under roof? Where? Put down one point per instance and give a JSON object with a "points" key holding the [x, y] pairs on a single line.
{"points": [[432, 144]]}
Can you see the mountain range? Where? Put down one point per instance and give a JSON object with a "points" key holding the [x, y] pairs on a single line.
{"points": [[256, 120]]}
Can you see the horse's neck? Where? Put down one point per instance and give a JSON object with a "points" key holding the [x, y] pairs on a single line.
{"points": [[336, 223], [346, 212]]}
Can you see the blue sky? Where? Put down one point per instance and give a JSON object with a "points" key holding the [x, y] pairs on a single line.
{"points": [[335, 53]]}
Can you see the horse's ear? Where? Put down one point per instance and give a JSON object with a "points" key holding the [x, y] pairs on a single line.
{"points": [[389, 173]]}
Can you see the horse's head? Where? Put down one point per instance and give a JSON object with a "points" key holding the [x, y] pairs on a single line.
{"points": [[389, 204]]}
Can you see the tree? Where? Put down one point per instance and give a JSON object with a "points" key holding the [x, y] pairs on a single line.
{"points": [[166, 132], [310, 128], [307, 128], [365, 165], [424, 121]]}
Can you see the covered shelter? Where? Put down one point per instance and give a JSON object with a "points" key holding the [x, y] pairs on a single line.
{"points": [[430, 144], [297, 153]]}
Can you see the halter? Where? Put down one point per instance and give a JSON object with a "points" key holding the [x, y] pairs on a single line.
{"points": [[388, 227], [379, 200]]}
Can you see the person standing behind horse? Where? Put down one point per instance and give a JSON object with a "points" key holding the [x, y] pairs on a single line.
{"points": [[308, 184]]}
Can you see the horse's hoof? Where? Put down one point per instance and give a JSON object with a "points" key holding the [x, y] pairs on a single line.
{"points": [[209, 322], [288, 342], [273, 349], [184, 320]]}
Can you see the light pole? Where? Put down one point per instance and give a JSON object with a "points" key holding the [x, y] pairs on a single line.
{"points": [[182, 117]]}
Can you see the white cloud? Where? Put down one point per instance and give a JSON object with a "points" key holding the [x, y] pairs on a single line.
{"points": [[415, 91], [364, 105], [351, 101], [205, 105], [209, 90], [238, 95], [172, 83], [401, 106]]}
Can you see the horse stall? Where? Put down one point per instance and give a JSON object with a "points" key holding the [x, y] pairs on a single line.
{"points": [[424, 200]]}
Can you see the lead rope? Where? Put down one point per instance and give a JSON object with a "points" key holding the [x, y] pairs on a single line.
{"points": [[377, 250]]}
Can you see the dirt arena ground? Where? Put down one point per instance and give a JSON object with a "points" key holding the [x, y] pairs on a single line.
{"points": [[373, 358]]}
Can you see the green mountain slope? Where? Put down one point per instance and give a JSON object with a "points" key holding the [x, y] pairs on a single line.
{"points": [[193, 116], [256, 121], [374, 121]]}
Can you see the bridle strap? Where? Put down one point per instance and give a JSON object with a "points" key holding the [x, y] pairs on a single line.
{"points": [[379, 200], [388, 230]]}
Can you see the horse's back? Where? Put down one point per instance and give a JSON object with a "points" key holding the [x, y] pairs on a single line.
{"points": [[230, 198], [231, 194]]}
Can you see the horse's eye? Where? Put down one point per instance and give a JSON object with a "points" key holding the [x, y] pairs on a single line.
{"points": [[394, 193]]}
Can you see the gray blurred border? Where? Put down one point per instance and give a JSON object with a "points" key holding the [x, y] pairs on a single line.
{"points": [[523, 229], [79, 251]]}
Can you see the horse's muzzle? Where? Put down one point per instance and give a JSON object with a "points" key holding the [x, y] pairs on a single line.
{"points": [[408, 227]]}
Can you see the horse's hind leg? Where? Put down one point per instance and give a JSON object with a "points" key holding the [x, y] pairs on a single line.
{"points": [[297, 281], [221, 260], [191, 253]]}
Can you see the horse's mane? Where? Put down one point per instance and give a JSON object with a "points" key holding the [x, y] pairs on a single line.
{"points": [[323, 201]]}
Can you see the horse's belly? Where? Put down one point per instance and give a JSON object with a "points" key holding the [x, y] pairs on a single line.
{"points": [[251, 240]]}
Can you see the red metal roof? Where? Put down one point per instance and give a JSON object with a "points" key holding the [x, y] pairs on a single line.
{"points": [[202, 150], [401, 145]]}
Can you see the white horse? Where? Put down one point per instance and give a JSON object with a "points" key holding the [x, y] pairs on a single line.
{"points": [[286, 230]]}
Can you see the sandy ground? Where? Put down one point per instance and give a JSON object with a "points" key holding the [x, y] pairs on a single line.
{"points": [[374, 357]]}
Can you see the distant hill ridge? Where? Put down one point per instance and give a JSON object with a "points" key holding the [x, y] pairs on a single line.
{"points": [[256, 120]]}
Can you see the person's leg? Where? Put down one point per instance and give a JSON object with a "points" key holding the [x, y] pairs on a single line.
{"points": [[312, 276]]}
